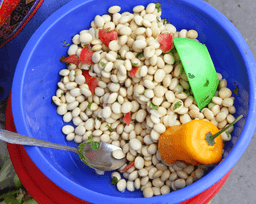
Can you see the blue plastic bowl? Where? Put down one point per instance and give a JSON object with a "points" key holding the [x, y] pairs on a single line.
{"points": [[36, 77]]}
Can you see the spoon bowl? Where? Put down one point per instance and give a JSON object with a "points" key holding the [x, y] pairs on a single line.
{"points": [[100, 158], [199, 69]]}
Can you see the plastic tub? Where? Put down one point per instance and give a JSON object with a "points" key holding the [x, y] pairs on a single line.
{"points": [[36, 77]]}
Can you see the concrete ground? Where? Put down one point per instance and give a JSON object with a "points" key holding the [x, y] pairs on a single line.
{"points": [[240, 186]]}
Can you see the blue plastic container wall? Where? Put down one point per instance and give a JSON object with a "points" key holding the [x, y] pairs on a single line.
{"points": [[36, 78]]}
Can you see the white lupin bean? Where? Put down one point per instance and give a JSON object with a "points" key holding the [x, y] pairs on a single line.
{"points": [[149, 84], [121, 185], [113, 45], [85, 38], [141, 115], [135, 144], [160, 128], [114, 9], [62, 109], [220, 116], [148, 192], [96, 57], [149, 51], [126, 107], [67, 117], [159, 75], [89, 124], [140, 44], [99, 21], [72, 49], [130, 186], [116, 108], [118, 154], [70, 137], [139, 162], [67, 129], [106, 112], [150, 8], [125, 30]]}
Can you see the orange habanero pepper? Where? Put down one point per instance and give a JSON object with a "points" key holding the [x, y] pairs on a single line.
{"points": [[197, 141]]}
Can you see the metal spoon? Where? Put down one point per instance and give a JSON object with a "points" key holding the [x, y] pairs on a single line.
{"points": [[101, 158]]}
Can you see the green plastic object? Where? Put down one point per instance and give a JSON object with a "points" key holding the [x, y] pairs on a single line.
{"points": [[199, 69]]}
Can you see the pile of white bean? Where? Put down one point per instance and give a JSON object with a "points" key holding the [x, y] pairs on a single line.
{"points": [[159, 80]]}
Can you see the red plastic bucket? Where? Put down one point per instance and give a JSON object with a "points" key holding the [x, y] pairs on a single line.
{"points": [[45, 191]]}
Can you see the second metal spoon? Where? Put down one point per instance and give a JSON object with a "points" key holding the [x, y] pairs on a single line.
{"points": [[100, 158]]}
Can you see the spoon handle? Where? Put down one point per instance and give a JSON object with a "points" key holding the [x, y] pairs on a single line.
{"points": [[15, 138]]}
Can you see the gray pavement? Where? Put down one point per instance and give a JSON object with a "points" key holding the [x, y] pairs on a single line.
{"points": [[240, 186]]}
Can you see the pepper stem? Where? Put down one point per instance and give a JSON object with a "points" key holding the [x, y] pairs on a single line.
{"points": [[210, 138]]}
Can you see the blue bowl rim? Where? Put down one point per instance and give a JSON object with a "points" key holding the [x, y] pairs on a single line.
{"points": [[91, 196]]}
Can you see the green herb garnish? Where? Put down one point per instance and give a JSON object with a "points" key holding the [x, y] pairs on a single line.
{"points": [[119, 56], [134, 64], [90, 139], [99, 119], [187, 92], [65, 44], [90, 67], [95, 145], [165, 20], [80, 149], [140, 55], [108, 29], [158, 7], [114, 180], [67, 64], [142, 93], [109, 128], [153, 106], [177, 105], [236, 89], [89, 105], [62, 58], [102, 64]]}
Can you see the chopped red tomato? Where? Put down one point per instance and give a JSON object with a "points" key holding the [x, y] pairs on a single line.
{"points": [[127, 118], [86, 56], [71, 59], [92, 83], [166, 41], [87, 76], [128, 166], [107, 36], [133, 72]]}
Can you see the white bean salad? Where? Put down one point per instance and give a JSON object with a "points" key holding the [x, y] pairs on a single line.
{"points": [[149, 96]]}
